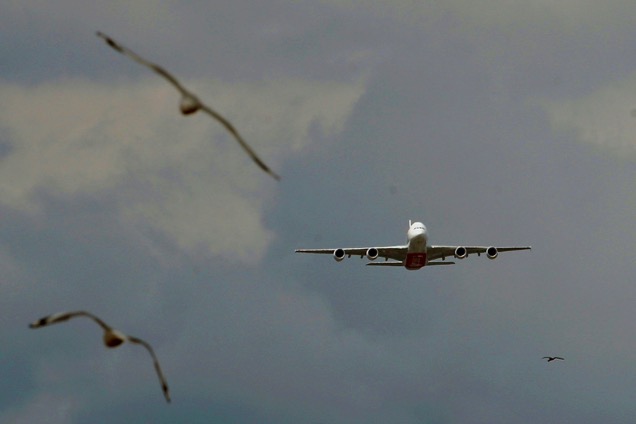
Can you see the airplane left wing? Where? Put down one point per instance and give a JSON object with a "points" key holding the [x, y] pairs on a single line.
{"points": [[460, 252], [397, 253]]}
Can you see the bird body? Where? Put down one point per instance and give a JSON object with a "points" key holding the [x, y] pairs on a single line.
{"points": [[114, 338], [189, 104], [552, 358]]}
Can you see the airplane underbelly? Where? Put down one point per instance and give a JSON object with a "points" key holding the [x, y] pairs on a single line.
{"points": [[415, 261]]}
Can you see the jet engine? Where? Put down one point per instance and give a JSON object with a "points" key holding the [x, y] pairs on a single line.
{"points": [[461, 252], [372, 253], [492, 252], [338, 254]]}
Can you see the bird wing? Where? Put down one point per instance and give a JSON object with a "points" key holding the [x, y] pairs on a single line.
{"points": [[125, 51], [162, 379], [65, 316], [228, 125], [158, 69]]}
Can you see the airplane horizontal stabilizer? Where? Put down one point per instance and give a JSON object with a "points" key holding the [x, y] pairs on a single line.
{"points": [[402, 263], [386, 263]]}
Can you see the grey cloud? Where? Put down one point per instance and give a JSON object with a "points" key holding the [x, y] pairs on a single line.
{"points": [[444, 128]]}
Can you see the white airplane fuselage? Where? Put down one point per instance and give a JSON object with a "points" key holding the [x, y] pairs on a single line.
{"points": [[416, 240]]}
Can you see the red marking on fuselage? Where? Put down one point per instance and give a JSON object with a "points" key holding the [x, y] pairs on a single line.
{"points": [[415, 260]]}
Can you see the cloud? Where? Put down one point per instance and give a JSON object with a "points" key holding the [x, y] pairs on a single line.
{"points": [[10, 272], [267, 342], [183, 177], [43, 408], [144, 12], [566, 15], [605, 117]]}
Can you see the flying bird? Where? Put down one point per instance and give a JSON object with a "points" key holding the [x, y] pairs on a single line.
{"points": [[189, 102], [112, 338], [552, 358]]}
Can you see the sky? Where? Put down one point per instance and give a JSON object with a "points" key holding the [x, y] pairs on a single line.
{"points": [[492, 122]]}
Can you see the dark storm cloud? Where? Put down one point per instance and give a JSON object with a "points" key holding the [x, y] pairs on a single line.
{"points": [[449, 126]]}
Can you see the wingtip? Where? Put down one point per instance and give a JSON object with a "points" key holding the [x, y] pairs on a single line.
{"points": [[267, 169], [37, 324], [109, 41], [272, 174]]}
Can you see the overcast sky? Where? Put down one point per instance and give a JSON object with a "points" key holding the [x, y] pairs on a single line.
{"points": [[493, 122]]}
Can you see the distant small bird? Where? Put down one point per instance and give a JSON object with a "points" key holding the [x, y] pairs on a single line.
{"points": [[552, 358], [189, 102], [112, 338]]}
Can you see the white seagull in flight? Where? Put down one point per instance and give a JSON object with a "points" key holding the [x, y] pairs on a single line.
{"points": [[112, 338], [189, 102]]}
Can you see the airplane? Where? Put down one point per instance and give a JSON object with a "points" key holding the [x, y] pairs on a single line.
{"points": [[416, 254]]}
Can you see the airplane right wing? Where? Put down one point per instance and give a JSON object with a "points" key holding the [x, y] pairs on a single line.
{"points": [[397, 253]]}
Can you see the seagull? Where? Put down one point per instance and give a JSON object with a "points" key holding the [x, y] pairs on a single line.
{"points": [[189, 102], [552, 358], [112, 338]]}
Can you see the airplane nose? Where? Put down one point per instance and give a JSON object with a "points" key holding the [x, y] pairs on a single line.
{"points": [[418, 232]]}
